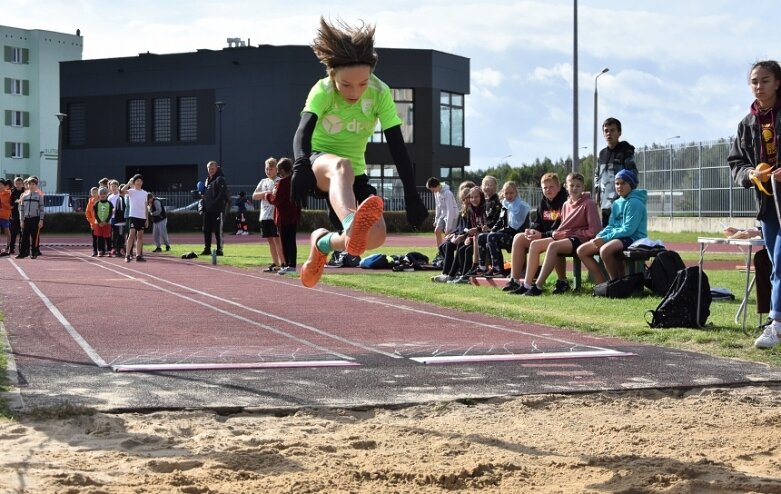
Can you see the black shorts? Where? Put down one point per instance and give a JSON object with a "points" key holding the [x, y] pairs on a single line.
{"points": [[137, 223], [361, 189], [575, 243], [268, 229]]}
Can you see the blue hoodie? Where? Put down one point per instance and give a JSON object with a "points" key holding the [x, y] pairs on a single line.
{"points": [[628, 217], [517, 212]]}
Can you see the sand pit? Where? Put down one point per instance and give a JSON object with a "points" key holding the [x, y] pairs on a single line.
{"points": [[703, 440]]}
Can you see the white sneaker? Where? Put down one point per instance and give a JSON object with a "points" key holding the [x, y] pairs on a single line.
{"points": [[245, 233], [440, 278], [287, 270], [768, 338]]}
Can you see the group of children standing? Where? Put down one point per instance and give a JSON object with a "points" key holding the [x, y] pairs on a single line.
{"points": [[21, 216], [117, 216]]}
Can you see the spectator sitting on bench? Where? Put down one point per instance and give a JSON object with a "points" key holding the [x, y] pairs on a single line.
{"points": [[628, 222], [513, 218], [580, 222], [450, 249], [548, 219]]}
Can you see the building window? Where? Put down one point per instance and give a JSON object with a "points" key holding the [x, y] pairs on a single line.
{"points": [[451, 115], [405, 107], [77, 124], [386, 180], [12, 54], [161, 125], [16, 118], [188, 118], [136, 120], [17, 150]]}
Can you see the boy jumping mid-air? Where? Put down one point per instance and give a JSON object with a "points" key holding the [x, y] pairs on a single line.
{"points": [[338, 119]]}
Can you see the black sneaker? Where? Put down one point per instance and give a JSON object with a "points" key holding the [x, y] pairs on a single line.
{"points": [[94, 254], [5, 253], [206, 252], [495, 273], [511, 285], [219, 252], [272, 268], [158, 249], [140, 259], [562, 286], [128, 258], [167, 248], [533, 292], [520, 290]]}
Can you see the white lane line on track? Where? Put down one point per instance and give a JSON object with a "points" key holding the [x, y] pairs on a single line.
{"points": [[229, 366], [104, 265], [91, 353], [398, 307], [460, 359]]}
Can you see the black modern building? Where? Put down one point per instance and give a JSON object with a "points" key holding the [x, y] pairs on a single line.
{"points": [[165, 116]]}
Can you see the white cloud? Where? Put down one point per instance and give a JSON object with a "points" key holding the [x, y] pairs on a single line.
{"points": [[487, 77]]}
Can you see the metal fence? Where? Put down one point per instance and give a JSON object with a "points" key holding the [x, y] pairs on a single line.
{"points": [[688, 180], [692, 180]]}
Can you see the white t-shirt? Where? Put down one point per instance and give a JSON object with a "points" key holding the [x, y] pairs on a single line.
{"points": [[112, 198], [266, 208], [136, 203]]}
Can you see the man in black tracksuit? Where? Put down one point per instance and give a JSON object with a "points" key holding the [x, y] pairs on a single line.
{"points": [[615, 157], [212, 207]]}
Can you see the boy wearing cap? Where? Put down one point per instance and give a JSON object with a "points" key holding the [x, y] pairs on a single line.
{"points": [[628, 222], [617, 156], [102, 210]]}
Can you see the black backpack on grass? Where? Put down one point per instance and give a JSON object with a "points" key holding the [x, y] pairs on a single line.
{"points": [[678, 308], [664, 268]]}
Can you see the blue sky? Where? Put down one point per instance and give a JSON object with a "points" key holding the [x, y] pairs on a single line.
{"points": [[677, 68]]}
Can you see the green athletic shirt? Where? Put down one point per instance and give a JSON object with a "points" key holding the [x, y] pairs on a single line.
{"points": [[343, 129]]}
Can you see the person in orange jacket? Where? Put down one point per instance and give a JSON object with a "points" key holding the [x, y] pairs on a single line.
{"points": [[89, 212]]}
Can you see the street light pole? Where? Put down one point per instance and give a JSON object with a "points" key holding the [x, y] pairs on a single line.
{"points": [[575, 90], [220, 105], [596, 122], [58, 178], [669, 140]]}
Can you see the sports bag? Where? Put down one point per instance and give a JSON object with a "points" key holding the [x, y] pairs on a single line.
{"points": [[626, 286], [678, 308], [662, 272], [375, 261]]}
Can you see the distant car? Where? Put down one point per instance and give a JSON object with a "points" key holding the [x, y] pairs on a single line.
{"points": [[194, 206], [60, 203], [190, 207]]}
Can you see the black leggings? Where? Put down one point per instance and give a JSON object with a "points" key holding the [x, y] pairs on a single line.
{"points": [[287, 235]]}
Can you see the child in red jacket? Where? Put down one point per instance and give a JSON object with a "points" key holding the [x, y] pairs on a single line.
{"points": [[286, 214]]}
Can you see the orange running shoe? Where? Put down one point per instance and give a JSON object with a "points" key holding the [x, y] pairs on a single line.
{"points": [[312, 269], [369, 212]]}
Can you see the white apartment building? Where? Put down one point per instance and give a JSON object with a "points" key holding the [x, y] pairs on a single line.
{"points": [[30, 100]]}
